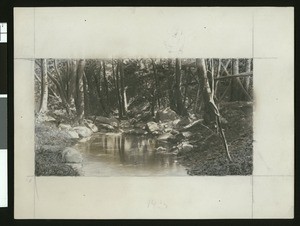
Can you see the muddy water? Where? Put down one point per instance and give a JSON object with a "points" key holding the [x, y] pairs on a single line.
{"points": [[113, 154]]}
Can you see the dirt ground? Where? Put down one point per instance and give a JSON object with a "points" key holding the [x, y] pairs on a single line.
{"points": [[209, 156]]}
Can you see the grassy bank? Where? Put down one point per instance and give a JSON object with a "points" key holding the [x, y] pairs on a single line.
{"points": [[209, 158], [49, 144]]}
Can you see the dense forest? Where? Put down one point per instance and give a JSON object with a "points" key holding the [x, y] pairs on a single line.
{"points": [[204, 103]]}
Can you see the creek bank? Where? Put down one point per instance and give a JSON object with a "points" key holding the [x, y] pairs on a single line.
{"points": [[165, 127], [208, 155], [55, 151], [198, 146], [55, 154]]}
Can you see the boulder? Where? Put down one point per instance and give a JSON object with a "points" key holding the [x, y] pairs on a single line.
{"points": [[193, 124], [153, 127], [166, 115], [59, 112], [175, 122], [85, 139], [88, 120], [187, 134], [136, 131], [69, 130], [91, 126], [167, 126], [104, 120], [64, 126], [174, 132], [45, 118], [106, 127], [181, 122], [185, 147], [168, 130], [166, 136], [161, 149], [73, 134], [77, 167], [83, 131], [139, 125], [71, 155]]}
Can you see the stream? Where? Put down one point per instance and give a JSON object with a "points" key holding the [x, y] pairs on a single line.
{"points": [[114, 154]]}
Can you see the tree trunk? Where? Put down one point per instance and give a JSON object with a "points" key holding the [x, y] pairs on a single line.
{"points": [[86, 96], [181, 110], [97, 84], [235, 88], [198, 102], [61, 92], [116, 75], [123, 93], [44, 90], [91, 97], [72, 81], [218, 75], [170, 87], [238, 91], [105, 83], [157, 93], [202, 72], [247, 79], [80, 92], [187, 74]]}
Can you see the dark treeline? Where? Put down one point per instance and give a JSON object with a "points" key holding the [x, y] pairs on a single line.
{"points": [[122, 87]]}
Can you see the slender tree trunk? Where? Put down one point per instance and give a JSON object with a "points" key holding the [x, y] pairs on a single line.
{"points": [[86, 96], [198, 102], [212, 83], [170, 87], [72, 81], [181, 110], [80, 91], [97, 84], [218, 75], [91, 97], [187, 73], [50, 90], [157, 93], [125, 99], [153, 100], [211, 110], [105, 83], [118, 90], [61, 92], [202, 72], [235, 93], [238, 91], [247, 79], [44, 90], [66, 88], [123, 93]]}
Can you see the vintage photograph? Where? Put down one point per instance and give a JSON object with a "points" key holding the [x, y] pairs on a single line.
{"points": [[153, 102], [143, 117]]}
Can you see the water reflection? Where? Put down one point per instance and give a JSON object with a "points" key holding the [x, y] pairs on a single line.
{"points": [[114, 154]]}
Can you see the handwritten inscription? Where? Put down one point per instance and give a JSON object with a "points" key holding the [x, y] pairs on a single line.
{"points": [[157, 204]]}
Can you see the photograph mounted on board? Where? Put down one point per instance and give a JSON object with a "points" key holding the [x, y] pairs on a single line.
{"points": [[143, 117]]}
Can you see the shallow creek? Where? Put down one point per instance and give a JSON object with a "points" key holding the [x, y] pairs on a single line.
{"points": [[114, 154]]}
